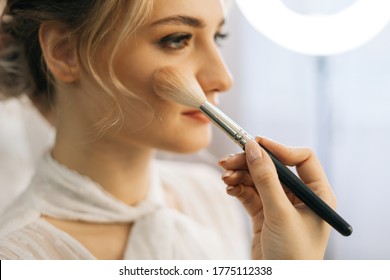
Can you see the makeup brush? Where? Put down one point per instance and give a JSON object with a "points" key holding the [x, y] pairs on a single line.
{"points": [[172, 85]]}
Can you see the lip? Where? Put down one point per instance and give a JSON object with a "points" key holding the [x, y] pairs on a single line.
{"points": [[196, 115]]}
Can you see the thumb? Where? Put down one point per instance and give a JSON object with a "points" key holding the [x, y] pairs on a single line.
{"points": [[265, 178]]}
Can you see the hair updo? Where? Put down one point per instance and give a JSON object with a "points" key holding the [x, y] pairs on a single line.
{"points": [[91, 22]]}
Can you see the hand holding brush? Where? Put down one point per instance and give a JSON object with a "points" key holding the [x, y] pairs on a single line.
{"points": [[283, 226]]}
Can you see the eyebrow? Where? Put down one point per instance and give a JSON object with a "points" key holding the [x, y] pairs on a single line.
{"points": [[183, 20]]}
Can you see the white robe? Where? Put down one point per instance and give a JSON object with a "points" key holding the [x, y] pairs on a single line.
{"points": [[210, 226]]}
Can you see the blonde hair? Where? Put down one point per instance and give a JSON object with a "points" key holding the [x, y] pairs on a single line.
{"points": [[93, 23]]}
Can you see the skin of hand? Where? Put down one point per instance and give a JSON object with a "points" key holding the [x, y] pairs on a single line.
{"points": [[283, 227]]}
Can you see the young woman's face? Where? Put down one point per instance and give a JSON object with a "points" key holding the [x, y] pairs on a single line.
{"points": [[178, 33]]}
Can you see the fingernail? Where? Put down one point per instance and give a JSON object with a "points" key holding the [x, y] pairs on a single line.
{"points": [[229, 188], [235, 191], [253, 151], [225, 159], [259, 137], [227, 173]]}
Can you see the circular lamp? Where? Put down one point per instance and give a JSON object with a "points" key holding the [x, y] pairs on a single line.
{"points": [[317, 34]]}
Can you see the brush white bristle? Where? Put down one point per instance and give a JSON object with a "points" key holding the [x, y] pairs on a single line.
{"points": [[171, 85]]}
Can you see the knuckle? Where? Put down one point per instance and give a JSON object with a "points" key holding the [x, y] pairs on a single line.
{"points": [[328, 196], [245, 197], [264, 175], [308, 151], [331, 200]]}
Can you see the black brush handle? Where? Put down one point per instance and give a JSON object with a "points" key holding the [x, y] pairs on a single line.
{"points": [[286, 176], [307, 196]]}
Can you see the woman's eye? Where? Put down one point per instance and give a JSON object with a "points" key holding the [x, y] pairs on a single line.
{"points": [[219, 37], [175, 41]]}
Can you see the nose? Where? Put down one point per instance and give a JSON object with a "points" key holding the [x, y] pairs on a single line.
{"points": [[213, 75]]}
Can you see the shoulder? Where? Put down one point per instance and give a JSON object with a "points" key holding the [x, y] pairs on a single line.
{"points": [[198, 188], [38, 241], [201, 194], [22, 243]]}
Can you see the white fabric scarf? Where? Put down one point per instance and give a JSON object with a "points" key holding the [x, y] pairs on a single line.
{"points": [[158, 232]]}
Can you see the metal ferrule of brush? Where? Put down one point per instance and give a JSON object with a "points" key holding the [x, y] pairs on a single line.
{"points": [[240, 136]]}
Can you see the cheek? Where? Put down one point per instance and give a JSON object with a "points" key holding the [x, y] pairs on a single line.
{"points": [[136, 77], [135, 72]]}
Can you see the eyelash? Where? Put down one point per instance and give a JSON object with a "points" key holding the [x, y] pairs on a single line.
{"points": [[175, 41], [179, 41], [219, 36]]}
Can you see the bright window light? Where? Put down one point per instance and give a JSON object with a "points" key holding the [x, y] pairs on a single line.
{"points": [[318, 34]]}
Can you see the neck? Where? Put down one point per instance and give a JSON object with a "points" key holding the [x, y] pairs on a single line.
{"points": [[122, 170]]}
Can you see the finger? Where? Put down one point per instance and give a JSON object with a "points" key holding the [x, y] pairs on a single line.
{"points": [[248, 196], [236, 177], [264, 176], [308, 166], [234, 162]]}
